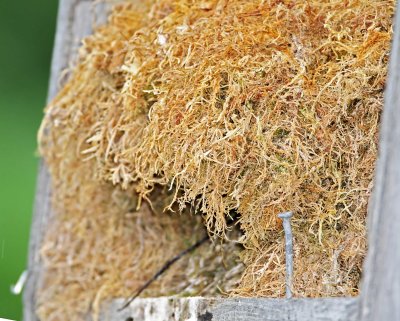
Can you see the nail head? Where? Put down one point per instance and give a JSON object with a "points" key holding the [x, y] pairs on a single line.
{"points": [[285, 215]]}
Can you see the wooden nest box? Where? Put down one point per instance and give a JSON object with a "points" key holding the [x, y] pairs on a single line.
{"points": [[380, 290]]}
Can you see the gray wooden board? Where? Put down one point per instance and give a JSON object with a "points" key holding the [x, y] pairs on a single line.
{"points": [[75, 20], [380, 290], [239, 309], [381, 286]]}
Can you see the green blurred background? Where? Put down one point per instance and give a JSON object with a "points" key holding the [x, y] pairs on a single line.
{"points": [[26, 40]]}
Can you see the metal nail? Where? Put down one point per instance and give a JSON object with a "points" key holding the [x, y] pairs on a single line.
{"points": [[289, 250]]}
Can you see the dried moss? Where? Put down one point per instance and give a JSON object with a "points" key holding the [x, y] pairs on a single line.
{"points": [[253, 107]]}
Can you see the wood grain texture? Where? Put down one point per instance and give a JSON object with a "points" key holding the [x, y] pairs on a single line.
{"points": [[240, 309], [380, 290], [76, 19]]}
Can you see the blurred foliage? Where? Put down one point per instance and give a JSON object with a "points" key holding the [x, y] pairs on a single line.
{"points": [[26, 39]]}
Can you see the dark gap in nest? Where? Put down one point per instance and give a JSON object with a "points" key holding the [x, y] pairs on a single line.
{"points": [[217, 261]]}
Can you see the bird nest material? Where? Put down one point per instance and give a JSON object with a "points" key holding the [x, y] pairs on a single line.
{"points": [[234, 110]]}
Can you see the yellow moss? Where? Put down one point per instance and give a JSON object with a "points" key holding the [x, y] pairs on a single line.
{"points": [[248, 107]]}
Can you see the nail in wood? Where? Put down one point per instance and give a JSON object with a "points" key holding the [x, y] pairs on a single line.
{"points": [[289, 250]]}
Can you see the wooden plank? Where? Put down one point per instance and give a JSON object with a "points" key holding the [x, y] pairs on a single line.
{"points": [[75, 20], [239, 309], [380, 291]]}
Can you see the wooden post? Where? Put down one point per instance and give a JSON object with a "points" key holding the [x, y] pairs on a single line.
{"points": [[380, 291], [75, 21]]}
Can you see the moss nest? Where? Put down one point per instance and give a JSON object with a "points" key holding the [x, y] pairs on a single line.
{"points": [[189, 117]]}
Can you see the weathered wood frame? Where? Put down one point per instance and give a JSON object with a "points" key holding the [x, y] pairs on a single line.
{"points": [[380, 295]]}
